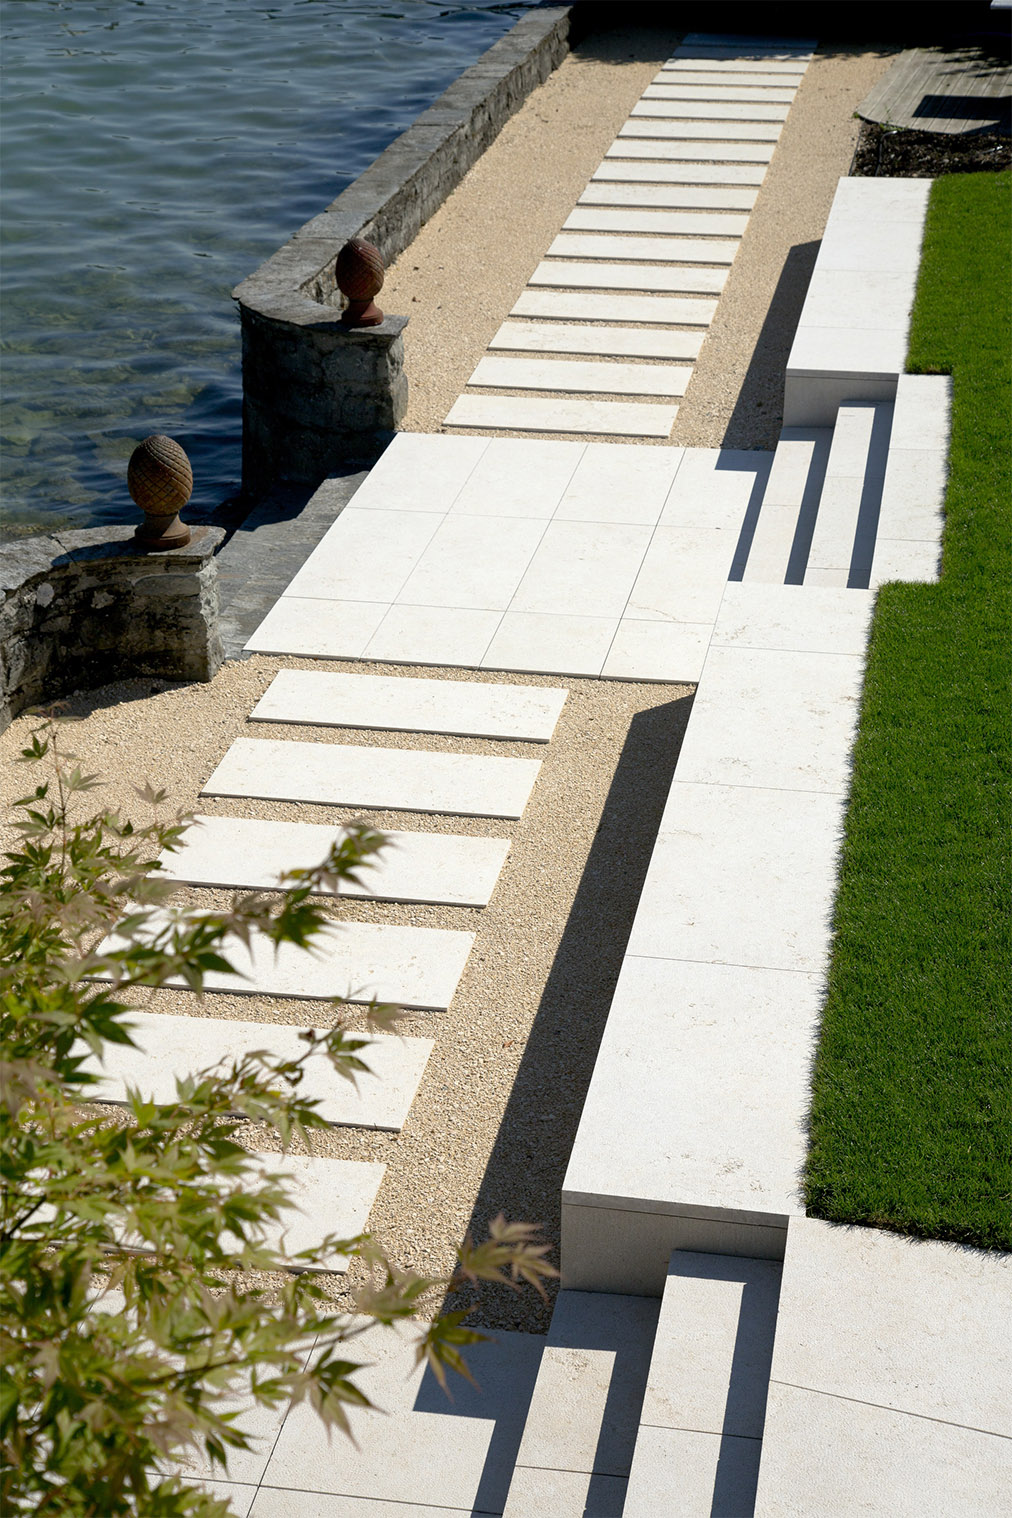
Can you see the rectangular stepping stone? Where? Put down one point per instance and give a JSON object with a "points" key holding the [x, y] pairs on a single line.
{"points": [[665, 309], [695, 151], [358, 961], [727, 61], [251, 853], [703, 224], [675, 73], [717, 131], [402, 780], [557, 374], [673, 197], [539, 414], [622, 171], [622, 276], [327, 1196], [723, 92], [709, 110], [402, 704], [604, 342], [170, 1046], [680, 250]]}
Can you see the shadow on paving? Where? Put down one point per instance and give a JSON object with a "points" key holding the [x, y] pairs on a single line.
{"points": [[770, 356], [524, 1175]]}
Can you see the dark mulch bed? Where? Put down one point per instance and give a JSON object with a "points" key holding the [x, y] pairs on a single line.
{"points": [[908, 154]]}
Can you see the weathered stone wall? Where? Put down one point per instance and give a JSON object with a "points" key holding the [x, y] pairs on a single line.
{"points": [[85, 608], [316, 393]]}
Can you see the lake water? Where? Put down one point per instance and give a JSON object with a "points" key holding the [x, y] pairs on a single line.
{"points": [[156, 151]]}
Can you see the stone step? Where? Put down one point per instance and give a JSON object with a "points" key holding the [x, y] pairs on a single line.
{"points": [[541, 414], [250, 853], [596, 340], [779, 545], [357, 961], [843, 537], [578, 1440], [705, 224], [625, 171], [666, 310], [403, 704], [908, 541], [405, 780], [693, 279], [694, 150], [670, 197], [701, 1426], [171, 1047], [603, 379], [680, 250]]}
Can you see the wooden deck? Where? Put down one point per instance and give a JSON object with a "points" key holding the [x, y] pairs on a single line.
{"points": [[935, 91]]}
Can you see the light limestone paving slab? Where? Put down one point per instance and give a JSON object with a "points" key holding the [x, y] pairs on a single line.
{"points": [[795, 717], [853, 352], [239, 1495], [323, 629], [794, 617], [358, 961], [400, 703], [366, 555], [657, 651], [672, 73], [832, 548], [601, 342], [886, 200], [281, 1502], [170, 1046], [827, 1455], [714, 487], [551, 645], [886, 247], [921, 416], [711, 1362], [728, 1137], [251, 852], [418, 472], [691, 278], [664, 223], [741, 875], [699, 151], [628, 171], [583, 569], [541, 414], [709, 110], [472, 562], [789, 503], [405, 780], [908, 1324], [797, 49], [672, 197], [584, 1411], [656, 249], [682, 1474], [727, 61], [684, 575], [905, 559], [325, 1196], [874, 299], [620, 482], [564, 1494], [723, 92], [519, 477], [913, 493], [580, 378], [432, 635], [719, 131], [664, 309], [457, 1454]]}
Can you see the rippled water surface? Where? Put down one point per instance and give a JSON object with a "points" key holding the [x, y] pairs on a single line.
{"points": [[155, 152]]}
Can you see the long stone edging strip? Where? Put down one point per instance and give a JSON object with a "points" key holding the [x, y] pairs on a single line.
{"points": [[314, 392]]}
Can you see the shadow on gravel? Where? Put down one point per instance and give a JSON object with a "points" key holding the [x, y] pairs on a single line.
{"points": [[758, 414], [524, 1175]]}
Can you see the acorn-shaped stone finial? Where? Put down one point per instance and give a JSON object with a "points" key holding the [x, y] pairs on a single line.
{"points": [[160, 480], [359, 272]]}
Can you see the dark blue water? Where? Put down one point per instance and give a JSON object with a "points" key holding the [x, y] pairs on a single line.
{"points": [[155, 152]]}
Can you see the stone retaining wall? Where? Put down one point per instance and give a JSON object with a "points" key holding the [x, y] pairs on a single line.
{"points": [[314, 392], [85, 608]]}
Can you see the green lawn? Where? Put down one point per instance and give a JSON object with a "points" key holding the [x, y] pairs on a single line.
{"points": [[910, 1121]]}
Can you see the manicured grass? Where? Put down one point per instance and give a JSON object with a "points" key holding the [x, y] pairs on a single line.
{"points": [[910, 1121]]}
